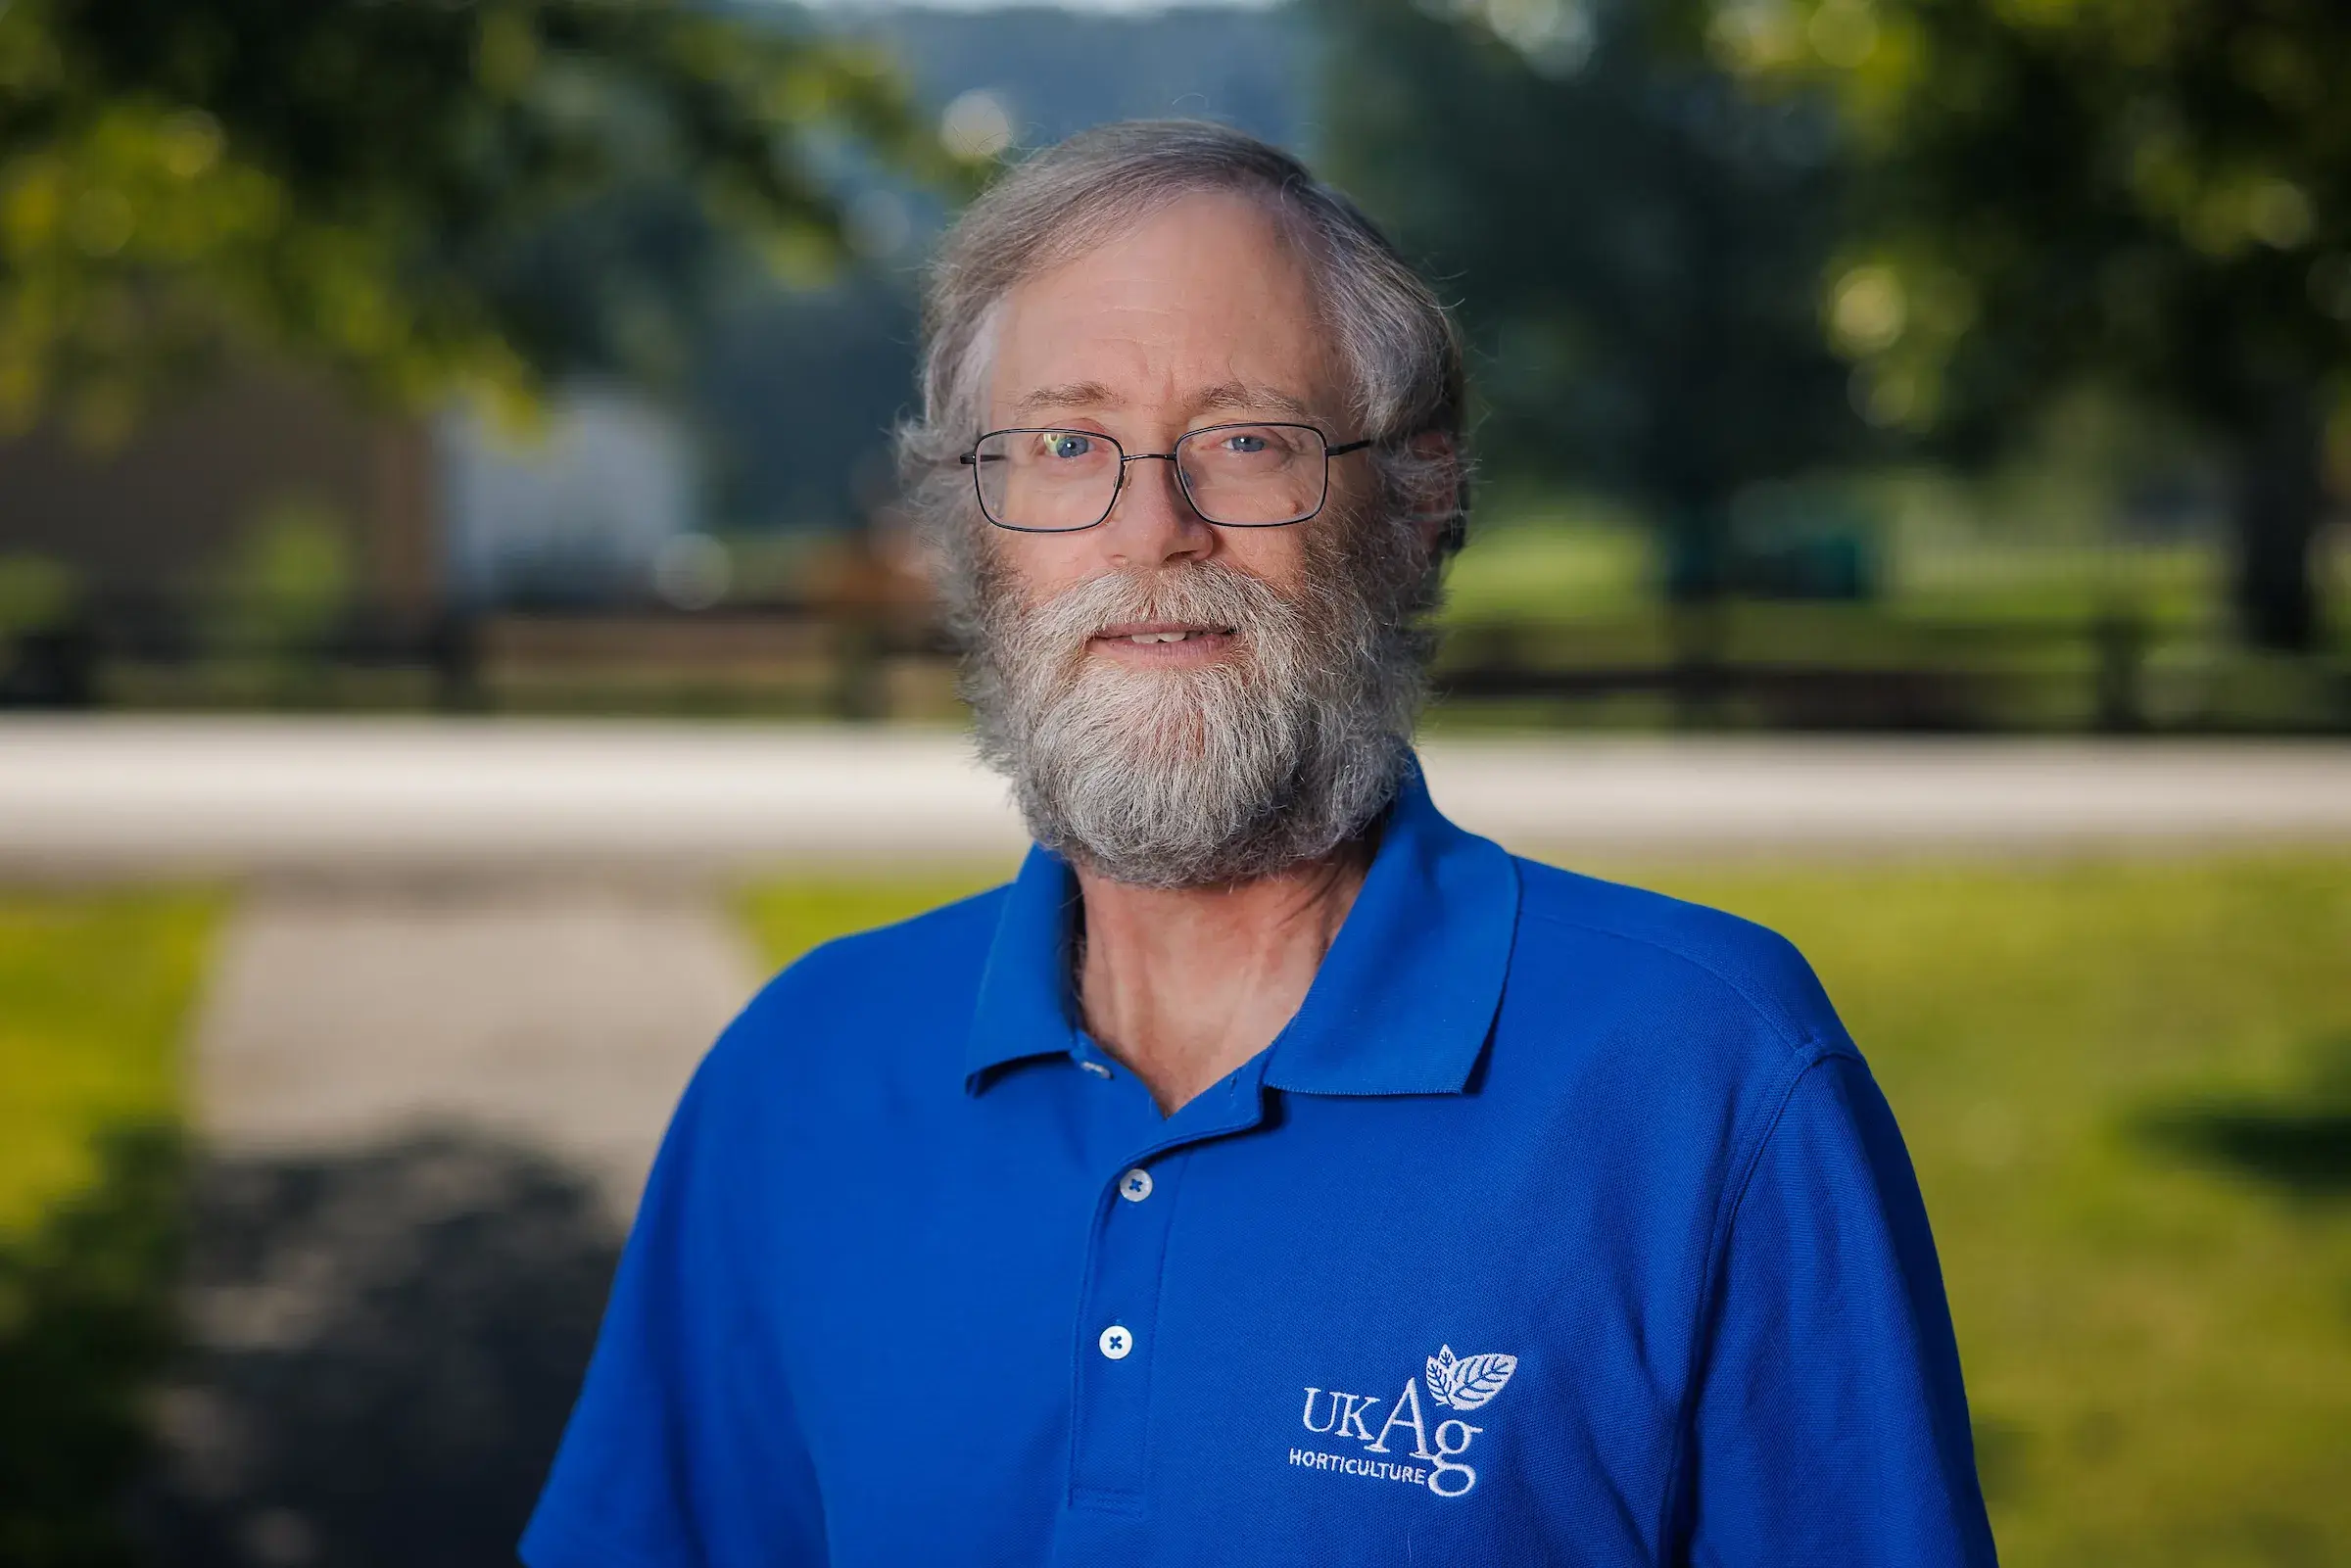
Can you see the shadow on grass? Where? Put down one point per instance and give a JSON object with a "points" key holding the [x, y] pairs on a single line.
{"points": [[85, 1326], [381, 1350], [2299, 1142]]}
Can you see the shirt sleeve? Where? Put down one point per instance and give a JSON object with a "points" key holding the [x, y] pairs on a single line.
{"points": [[1829, 1426], [681, 1449]]}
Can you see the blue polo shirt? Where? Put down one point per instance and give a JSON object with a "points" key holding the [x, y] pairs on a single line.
{"points": [[1562, 1224]]}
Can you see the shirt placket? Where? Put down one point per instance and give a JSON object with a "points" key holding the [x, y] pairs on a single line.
{"points": [[1118, 1354]]}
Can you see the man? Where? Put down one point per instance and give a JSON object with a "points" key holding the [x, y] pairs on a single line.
{"points": [[1274, 1173]]}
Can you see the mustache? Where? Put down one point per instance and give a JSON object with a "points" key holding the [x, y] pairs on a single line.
{"points": [[1197, 593]]}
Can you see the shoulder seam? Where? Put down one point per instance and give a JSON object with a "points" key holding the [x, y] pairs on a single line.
{"points": [[1809, 1052], [1775, 1019]]}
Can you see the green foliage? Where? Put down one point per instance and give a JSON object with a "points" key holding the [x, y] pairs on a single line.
{"points": [[279, 596], [36, 591], [2123, 1086], [2149, 195], [372, 183], [94, 991], [289, 578], [2160, 193], [1632, 240]]}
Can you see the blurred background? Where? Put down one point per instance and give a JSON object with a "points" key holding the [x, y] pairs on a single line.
{"points": [[458, 630]]}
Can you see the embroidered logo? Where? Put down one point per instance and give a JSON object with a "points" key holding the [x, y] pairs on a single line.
{"points": [[1469, 1382], [1454, 1383]]}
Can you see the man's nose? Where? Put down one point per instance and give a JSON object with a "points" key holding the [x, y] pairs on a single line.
{"points": [[1152, 522]]}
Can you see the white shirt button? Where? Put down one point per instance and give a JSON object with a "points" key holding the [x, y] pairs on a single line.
{"points": [[1135, 1185], [1116, 1342], [1096, 1068]]}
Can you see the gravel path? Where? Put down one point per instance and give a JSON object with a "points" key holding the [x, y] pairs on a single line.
{"points": [[427, 1105], [561, 1018]]}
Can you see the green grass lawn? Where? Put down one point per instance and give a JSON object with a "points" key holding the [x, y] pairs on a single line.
{"points": [[2127, 1089], [2010, 635], [94, 991], [786, 919], [1554, 560]]}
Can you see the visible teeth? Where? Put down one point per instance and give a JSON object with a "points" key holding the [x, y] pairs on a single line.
{"points": [[1159, 637]]}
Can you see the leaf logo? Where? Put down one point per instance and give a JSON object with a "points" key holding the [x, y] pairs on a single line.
{"points": [[1440, 1375], [1464, 1383]]}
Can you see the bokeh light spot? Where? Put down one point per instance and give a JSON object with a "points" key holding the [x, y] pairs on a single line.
{"points": [[977, 126]]}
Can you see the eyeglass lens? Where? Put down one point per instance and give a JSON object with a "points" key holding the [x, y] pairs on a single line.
{"points": [[1240, 476]]}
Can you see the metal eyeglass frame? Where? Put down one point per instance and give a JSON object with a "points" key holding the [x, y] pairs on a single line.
{"points": [[970, 460]]}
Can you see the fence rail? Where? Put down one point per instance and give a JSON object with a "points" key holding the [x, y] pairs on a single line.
{"points": [[816, 659]]}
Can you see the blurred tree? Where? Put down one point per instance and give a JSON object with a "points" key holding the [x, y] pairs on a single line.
{"points": [[1635, 243], [402, 189], [2149, 197], [283, 590]]}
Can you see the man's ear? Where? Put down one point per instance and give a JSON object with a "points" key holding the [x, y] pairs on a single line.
{"points": [[1439, 510]]}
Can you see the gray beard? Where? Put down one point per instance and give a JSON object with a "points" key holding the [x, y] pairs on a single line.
{"points": [[1275, 755]]}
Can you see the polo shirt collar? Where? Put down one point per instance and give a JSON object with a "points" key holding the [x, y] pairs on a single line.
{"points": [[1402, 1003]]}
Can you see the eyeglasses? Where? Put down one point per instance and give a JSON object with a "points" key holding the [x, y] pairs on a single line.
{"points": [[1235, 476]]}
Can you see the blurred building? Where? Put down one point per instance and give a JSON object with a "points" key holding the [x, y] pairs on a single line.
{"points": [[586, 508], [582, 507], [153, 519]]}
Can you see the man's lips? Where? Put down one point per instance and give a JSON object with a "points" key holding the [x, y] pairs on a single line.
{"points": [[1160, 634]]}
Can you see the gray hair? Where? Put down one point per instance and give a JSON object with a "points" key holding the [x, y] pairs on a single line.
{"points": [[1399, 346]]}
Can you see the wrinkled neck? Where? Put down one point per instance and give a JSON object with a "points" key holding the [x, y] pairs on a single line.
{"points": [[1185, 985]]}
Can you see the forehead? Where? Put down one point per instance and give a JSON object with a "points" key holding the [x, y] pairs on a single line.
{"points": [[1208, 293]]}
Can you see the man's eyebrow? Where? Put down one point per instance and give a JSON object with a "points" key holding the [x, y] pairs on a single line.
{"points": [[1067, 395], [1242, 397], [1225, 397]]}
